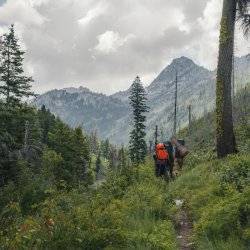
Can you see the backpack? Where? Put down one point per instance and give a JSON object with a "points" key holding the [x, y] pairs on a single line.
{"points": [[161, 152]]}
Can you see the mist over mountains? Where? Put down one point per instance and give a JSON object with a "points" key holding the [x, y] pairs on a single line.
{"points": [[110, 115]]}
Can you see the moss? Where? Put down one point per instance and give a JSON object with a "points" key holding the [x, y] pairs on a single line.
{"points": [[224, 32], [219, 105]]}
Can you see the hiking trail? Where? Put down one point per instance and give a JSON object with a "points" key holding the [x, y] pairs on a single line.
{"points": [[184, 229]]}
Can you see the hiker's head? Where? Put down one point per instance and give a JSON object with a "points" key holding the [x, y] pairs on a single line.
{"points": [[160, 146], [167, 143]]}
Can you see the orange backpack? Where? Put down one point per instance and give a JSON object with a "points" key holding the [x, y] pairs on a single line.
{"points": [[161, 152]]}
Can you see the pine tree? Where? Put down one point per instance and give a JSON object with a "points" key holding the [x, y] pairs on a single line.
{"points": [[112, 158], [137, 144], [14, 84], [105, 147], [47, 121], [94, 142], [73, 146], [81, 154], [98, 164], [122, 159]]}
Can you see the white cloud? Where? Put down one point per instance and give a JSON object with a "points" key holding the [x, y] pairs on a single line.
{"points": [[92, 14], [110, 41], [38, 2], [20, 11], [207, 43], [62, 38]]}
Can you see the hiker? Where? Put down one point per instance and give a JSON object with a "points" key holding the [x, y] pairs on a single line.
{"points": [[171, 157], [180, 151], [161, 158]]}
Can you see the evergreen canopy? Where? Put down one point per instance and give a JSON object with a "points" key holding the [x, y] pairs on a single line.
{"points": [[14, 85], [138, 99]]}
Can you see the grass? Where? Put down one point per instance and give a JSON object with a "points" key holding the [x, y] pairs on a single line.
{"points": [[219, 209], [128, 212]]}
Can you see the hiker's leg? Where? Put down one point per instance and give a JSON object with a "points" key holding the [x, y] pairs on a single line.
{"points": [[163, 169], [160, 169], [171, 166], [157, 170], [167, 171]]}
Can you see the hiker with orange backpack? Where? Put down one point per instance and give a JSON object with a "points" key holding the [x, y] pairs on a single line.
{"points": [[161, 157]]}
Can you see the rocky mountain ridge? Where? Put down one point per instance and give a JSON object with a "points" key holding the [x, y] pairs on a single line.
{"points": [[110, 115]]}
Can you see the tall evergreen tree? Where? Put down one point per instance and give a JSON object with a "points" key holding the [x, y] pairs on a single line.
{"points": [[137, 144], [47, 121], [98, 164], [122, 159], [14, 84], [112, 157], [226, 143], [94, 142], [81, 153], [105, 148]]}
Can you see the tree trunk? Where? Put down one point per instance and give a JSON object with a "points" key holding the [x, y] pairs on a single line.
{"points": [[225, 134]]}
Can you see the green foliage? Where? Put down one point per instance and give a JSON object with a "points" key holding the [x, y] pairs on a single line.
{"points": [[129, 211], [137, 143], [217, 195], [74, 150], [51, 164], [236, 172], [105, 148], [47, 122]]}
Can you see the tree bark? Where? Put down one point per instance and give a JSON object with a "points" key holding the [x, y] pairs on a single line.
{"points": [[224, 123]]}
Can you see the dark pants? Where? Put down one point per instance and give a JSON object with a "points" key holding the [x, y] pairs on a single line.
{"points": [[171, 167], [161, 167]]}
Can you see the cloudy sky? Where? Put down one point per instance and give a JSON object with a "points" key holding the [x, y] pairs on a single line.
{"points": [[104, 44]]}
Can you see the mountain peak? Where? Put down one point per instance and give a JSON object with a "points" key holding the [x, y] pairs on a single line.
{"points": [[182, 61], [72, 90], [182, 65]]}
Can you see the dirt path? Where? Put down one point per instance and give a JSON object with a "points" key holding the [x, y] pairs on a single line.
{"points": [[184, 231]]}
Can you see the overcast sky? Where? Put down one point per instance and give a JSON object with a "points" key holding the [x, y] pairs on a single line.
{"points": [[104, 44]]}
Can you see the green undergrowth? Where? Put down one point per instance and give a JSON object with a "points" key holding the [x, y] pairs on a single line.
{"points": [[135, 210], [129, 211], [216, 194]]}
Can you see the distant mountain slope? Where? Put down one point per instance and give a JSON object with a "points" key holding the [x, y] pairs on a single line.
{"points": [[110, 114], [81, 107], [195, 87]]}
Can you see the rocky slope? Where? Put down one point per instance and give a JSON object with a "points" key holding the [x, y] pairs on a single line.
{"points": [[110, 114], [81, 107]]}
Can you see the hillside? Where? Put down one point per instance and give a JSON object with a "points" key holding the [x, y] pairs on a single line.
{"points": [[133, 209], [81, 107], [109, 115]]}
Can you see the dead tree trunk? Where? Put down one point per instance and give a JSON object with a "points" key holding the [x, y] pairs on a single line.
{"points": [[156, 134], [175, 103], [189, 118]]}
